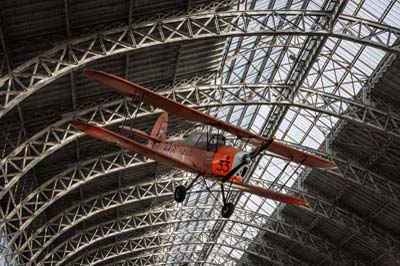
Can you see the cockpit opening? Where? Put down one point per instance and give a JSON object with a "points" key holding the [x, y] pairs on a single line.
{"points": [[204, 140], [217, 139]]}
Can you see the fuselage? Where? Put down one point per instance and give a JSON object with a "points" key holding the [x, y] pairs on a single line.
{"points": [[212, 156]]}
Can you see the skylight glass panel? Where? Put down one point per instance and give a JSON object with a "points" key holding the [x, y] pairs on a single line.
{"points": [[259, 4], [392, 18], [339, 74], [249, 113], [283, 4], [372, 10]]}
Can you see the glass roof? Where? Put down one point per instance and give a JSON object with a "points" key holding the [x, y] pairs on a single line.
{"points": [[342, 68]]}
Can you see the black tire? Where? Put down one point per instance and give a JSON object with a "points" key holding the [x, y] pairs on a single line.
{"points": [[180, 193], [227, 210]]}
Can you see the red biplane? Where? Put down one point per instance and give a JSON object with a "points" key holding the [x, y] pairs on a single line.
{"points": [[204, 154]]}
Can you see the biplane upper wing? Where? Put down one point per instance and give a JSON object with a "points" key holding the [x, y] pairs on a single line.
{"points": [[269, 194], [149, 97], [123, 142]]}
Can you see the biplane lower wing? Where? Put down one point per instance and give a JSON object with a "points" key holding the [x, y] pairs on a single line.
{"points": [[125, 143], [149, 97], [299, 156], [269, 194]]}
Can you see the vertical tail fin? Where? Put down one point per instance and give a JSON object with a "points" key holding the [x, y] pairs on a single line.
{"points": [[160, 128]]}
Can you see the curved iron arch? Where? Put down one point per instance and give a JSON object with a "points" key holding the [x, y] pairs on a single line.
{"points": [[170, 192], [116, 250], [193, 26], [287, 230], [60, 133], [154, 258], [58, 224], [122, 225], [325, 248], [208, 93]]}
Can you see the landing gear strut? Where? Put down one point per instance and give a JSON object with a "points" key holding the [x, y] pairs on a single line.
{"points": [[228, 207]]}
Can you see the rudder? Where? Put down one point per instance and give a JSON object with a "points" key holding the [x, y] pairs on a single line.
{"points": [[160, 128]]}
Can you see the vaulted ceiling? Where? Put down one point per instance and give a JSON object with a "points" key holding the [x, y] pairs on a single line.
{"points": [[320, 75]]}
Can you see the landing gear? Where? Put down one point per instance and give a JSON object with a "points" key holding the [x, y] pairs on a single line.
{"points": [[228, 207], [227, 210], [180, 193]]}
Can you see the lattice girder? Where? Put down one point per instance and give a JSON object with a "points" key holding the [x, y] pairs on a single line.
{"points": [[95, 168], [366, 178], [59, 134], [177, 256], [162, 216], [42, 70], [54, 229], [180, 238], [56, 226], [350, 221]]}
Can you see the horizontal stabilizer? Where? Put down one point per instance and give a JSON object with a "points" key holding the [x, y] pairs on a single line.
{"points": [[139, 133]]}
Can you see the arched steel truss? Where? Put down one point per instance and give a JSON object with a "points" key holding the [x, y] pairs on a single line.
{"points": [[60, 134], [164, 240], [44, 235], [177, 256], [57, 223], [72, 177], [24, 157], [173, 215], [47, 233], [70, 55], [44, 69]]}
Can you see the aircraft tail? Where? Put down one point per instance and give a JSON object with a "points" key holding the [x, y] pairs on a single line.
{"points": [[160, 128]]}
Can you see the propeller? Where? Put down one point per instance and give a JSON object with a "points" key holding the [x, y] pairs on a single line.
{"points": [[248, 157]]}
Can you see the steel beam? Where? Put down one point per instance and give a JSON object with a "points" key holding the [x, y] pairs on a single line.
{"points": [[367, 179], [361, 226], [220, 95], [59, 134], [42, 70], [157, 257], [296, 77], [50, 139], [42, 197], [149, 219], [171, 240], [298, 73], [84, 172], [329, 209], [45, 234]]}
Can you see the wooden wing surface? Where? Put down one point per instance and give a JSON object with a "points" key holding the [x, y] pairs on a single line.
{"points": [[125, 143], [269, 194], [149, 97]]}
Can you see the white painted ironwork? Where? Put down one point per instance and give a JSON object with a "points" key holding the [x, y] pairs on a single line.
{"points": [[36, 73]]}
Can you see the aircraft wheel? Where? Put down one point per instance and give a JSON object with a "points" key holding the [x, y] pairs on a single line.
{"points": [[227, 210], [180, 193]]}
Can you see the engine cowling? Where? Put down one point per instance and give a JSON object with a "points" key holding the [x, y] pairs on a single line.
{"points": [[227, 158]]}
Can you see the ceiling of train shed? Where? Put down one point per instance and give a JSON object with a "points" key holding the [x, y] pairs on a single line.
{"points": [[320, 75]]}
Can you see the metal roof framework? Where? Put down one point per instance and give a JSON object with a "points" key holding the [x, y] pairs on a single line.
{"points": [[302, 70]]}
